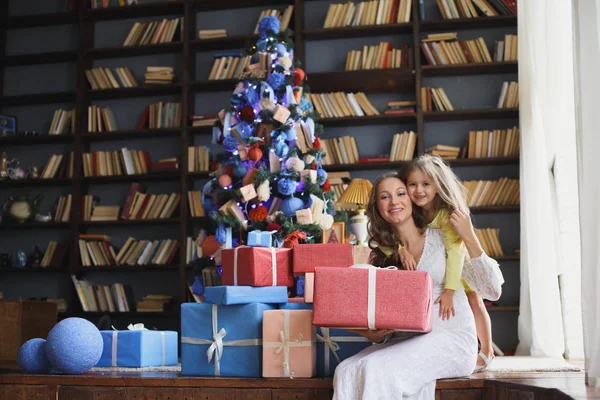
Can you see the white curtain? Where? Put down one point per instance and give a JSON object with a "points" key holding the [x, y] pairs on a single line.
{"points": [[587, 63], [549, 313]]}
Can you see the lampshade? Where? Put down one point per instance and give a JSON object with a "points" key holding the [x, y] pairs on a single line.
{"points": [[356, 196]]}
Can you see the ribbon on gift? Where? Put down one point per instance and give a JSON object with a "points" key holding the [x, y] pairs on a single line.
{"points": [[136, 327], [331, 345], [285, 344], [371, 291], [217, 344], [273, 265]]}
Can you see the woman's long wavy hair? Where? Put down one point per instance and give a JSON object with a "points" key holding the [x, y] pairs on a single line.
{"points": [[451, 194], [381, 232]]}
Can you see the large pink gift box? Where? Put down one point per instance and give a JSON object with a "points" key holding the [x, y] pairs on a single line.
{"points": [[257, 266], [309, 256], [289, 348], [373, 298]]}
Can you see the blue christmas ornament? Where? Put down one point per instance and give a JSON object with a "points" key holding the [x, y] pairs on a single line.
{"points": [[32, 357], [236, 99], [198, 286], [276, 80], [268, 26], [230, 143], [221, 234], [280, 47], [287, 187], [291, 134], [281, 148], [74, 346], [262, 45], [239, 170], [321, 176], [244, 129], [252, 96], [290, 205]]}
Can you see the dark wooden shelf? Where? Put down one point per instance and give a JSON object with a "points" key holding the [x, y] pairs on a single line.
{"points": [[457, 115], [30, 270], [37, 98], [373, 80], [214, 85], [482, 162], [33, 140], [225, 43], [130, 134], [356, 31], [128, 315], [52, 57], [398, 164], [129, 268], [200, 220], [508, 258], [381, 119], [17, 183], [164, 221], [134, 51], [34, 225], [138, 91], [214, 5], [495, 209], [162, 176], [504, 67], [468, 23], [30, 21], [198, 175], [200, 130], [503, 308], [136, 11]]}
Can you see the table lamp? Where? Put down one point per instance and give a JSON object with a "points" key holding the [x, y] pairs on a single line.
{"points": [[356, 197]]}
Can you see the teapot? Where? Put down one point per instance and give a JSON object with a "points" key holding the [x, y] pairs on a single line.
{"points": [[20, 208]]}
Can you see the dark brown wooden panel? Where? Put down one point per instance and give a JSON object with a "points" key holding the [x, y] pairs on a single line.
{"points": [[302, 394], [462, 394], [28, 392]]}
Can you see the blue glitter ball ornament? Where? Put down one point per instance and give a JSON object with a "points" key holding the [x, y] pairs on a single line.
{"points": [[276, 80], [287, 187], [74, 346], [321, 176], [268, 26], [290, 206], [32, 357]]}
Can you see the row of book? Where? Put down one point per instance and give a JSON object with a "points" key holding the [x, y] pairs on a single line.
{"points": [[507, 49], [198, 159], [488, 237], [111, 3], [103, 78], [103, 213], [501, 192], [494, 143], [228, 65], [153, 303], [509, 95], [147, 252], [445, 49], [139, 205], [63, 122], [63, 209], [400, 107], [203, 120], [58, 166], [374, 12], [340, 104], [101, 119], [403, 146], [340, 150], [153, 32], [435, 97], [284, 18], [445, 151], [161, 115], [107, 298], [212, 33], [453, 9], [158, 75], [377, 57], [195, 203], [54, 254], [116, 163]]}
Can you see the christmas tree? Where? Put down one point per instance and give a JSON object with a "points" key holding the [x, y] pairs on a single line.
{"points": [[270, 176]]}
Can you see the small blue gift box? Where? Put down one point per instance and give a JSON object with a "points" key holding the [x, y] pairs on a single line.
{"points": [[296, 306], [222, 340], [334, 346], [138, 348], [245, 294], [260, 239]]}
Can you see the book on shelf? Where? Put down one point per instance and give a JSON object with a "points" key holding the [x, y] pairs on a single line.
{"points": [[112, 3], [105, 213], [501, 192], [284, 18], [400, 107], [154, 303], [198, 159], [340, 150], [147, 252], [154, 32], [228, 65], [509, 95], [63, 122], [493, 143], [212, 33], [106, 298], [338, 181], [203, 120], [375, 12], [116, 163], [195, 203], [374, 159], [379, 56], [161, 115], [340, 104], [62, 212], [403, 146], [488, 237], [55, 253], [58, 166], [437, 97], [165, 165], [101, 119], [159, 75], [142, 206], [101, 78], [446, 49], [454, 9], [444, 151], [96, 252]]}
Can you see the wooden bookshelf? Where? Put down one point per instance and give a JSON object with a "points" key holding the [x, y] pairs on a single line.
{"points": [[34, 225], [225, 43], [468, 23], [214, 85], [130, 134], [40, 58], [381, 119], [129, 222], [356, 31], [457, 115], [371, 80], [37, 98], [154, 177], [214, 5], [132, 51], [503, 67], [37, 20], [19, 183], [30, 270], [138, 91], [34, 140], [171, 7], [466, 162], [129, 268]]}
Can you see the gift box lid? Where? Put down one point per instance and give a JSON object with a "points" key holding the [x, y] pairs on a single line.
{"points": [[245, 294]]}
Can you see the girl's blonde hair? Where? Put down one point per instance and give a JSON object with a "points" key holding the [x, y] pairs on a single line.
{"points": [[451, 194]]}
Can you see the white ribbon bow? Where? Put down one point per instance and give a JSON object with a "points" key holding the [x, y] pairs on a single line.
{"points": [[273, 265], [137, 327], [372, 289], [217, 344], [332, 345]]}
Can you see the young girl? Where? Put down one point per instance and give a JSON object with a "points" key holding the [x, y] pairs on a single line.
{"points": [[436, 189]]}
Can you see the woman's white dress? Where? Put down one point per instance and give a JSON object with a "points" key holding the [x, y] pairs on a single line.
{"points": [[407, 366]]}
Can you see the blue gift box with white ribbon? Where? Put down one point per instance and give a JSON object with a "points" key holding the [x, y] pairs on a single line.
{"points": [[219, 340], [260, 238], [228, 295], [334, 346], [138, 348]]}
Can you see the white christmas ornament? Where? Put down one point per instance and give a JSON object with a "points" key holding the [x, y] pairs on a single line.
{"points": [[309, 158], [326, 221], [263, 191], [294, 164]]}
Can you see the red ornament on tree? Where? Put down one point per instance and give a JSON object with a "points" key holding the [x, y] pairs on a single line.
{"points": [[210, 246], [273, 226], [246, 114], [258, 214], [326, 186], [299, 75], [255, 153], [316, 144]]}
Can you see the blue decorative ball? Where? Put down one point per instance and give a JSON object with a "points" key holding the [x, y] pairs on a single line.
{"points": [[321, 176], [290, 206], [261, 45], [240, 170], [281, 49], [268, 26], [74, 346], [276, 80], [32, 357], [287, 187]]}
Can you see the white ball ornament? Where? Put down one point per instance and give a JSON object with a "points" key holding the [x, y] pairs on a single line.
{"points": [[294, 164], [326, 221], [309, 158]]}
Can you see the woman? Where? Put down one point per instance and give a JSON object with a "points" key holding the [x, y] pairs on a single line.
{"points": [[402, 367]]}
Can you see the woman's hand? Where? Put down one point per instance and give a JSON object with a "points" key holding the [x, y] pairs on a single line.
{"points": [[408, 261], [375, 336]]}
